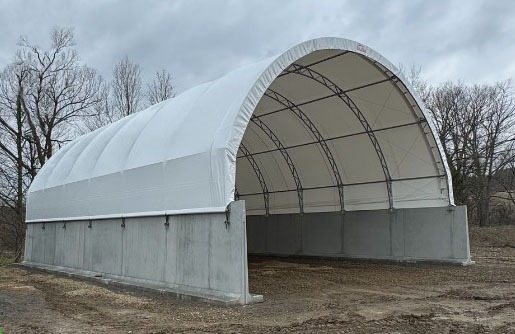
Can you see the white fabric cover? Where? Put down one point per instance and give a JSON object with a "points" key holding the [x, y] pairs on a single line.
{"points": [[181, 155]]}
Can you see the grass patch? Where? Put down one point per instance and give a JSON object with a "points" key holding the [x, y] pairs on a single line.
{"points": [[6, 260]]}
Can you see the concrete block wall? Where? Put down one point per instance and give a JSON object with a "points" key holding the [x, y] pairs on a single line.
{"points": [[422, 234], [196, 254]]}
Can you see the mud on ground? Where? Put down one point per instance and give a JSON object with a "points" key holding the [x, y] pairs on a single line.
{"points": [[301, 296]]}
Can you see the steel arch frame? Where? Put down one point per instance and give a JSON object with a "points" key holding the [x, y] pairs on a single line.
{"points": [[316, 134], [259, 175], [395, 80], [323, 80], [291, 166]]}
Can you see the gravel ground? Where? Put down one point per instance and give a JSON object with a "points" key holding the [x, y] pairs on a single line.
{"points": [[301, 296]]}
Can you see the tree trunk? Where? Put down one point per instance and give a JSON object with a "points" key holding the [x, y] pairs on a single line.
{"points": [[19, 207], [484, 208], [19, 251]]}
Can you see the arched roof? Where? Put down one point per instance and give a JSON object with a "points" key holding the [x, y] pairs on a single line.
{"points": [[181, 155]]}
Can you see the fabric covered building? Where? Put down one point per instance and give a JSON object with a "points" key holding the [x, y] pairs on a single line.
{"points": [[324, 150]]}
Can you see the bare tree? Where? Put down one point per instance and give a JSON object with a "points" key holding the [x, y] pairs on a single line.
{"points": [[15, 173], [58, 93], [493, 146], [44, 95], [126, 87], [118, 99], [476, 126], [105, 111], [161, 88], [115, 104], [448, 104], [47, 98], [503, 194], [414, 78]]}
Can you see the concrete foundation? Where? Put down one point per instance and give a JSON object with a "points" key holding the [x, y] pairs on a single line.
{"points": [[196, 255], [437, 234], [203, 257]]}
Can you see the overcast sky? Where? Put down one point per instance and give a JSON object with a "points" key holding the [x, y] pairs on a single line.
{"points": [[198, 41]]}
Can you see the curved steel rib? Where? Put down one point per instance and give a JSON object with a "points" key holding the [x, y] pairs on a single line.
{"points": [[316, 134], [340, 93], [259, 175], [286, 156]]}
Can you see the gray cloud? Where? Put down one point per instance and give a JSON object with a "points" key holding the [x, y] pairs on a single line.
{"points": [[198, 41]]}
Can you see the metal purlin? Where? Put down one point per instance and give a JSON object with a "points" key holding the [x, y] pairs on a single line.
{"points": [[318, 136], [327, 139], [286, 157], [332, 186], [259, 175], [340, 93]]}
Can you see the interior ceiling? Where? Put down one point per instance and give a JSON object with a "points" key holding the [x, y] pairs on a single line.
{"points": [[338, 132]]}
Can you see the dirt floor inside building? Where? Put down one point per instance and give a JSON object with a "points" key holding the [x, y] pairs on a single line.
{"points": [[301, 296]]}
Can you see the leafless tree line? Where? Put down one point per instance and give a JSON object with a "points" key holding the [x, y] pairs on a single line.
{"points": [[47, 98], [476, 125]]}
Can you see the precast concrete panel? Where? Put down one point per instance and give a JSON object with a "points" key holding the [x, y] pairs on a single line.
{"points": [[423, 234], [200, 255]]}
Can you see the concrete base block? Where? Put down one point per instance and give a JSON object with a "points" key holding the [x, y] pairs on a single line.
{"points": [[437, 234], [197, 255]]}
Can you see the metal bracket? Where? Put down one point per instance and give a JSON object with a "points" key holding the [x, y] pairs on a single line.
{"points": [[227, 221], [123, 222], [43, 227], [90, 224], [64, 225], [167, 222], [451, 208]]}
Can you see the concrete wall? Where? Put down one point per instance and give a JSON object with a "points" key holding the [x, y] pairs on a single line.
{"points": [[197, 254], [434, 234]]}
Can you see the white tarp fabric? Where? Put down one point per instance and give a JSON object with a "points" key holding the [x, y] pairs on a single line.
{"points": [[182, 155]]}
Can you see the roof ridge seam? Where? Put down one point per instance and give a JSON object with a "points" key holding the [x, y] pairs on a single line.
{"points": [[81, 153], [123, 125], [61, 157], [139, 135]]}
